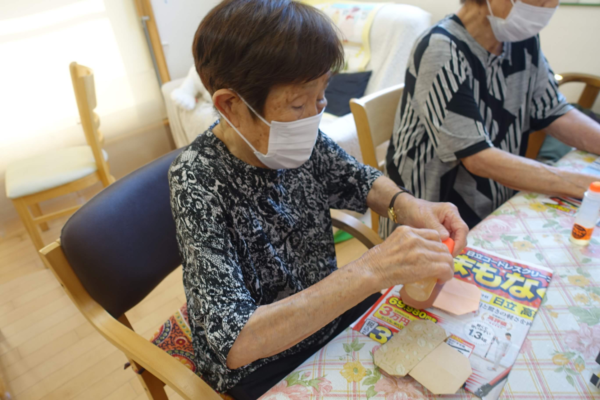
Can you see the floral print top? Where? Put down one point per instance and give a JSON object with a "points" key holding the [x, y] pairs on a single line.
{"points": [[251, 236]]}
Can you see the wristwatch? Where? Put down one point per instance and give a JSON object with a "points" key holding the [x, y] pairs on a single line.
{"points": [[391, 213]]}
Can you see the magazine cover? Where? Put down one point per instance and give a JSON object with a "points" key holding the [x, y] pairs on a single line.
{"points": [[511, 294], [565, 205]]}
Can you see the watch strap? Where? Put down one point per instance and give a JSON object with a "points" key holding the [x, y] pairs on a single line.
{"points": [[391, 212]]}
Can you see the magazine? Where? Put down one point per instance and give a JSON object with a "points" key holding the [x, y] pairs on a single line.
{"points": [[566, 205], [511, 293]]}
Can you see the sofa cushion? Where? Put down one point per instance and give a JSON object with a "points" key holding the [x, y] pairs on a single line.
{"points": [[344, 87]]}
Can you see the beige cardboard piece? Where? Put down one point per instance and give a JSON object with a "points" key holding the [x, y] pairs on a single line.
{"points": [[408, 347], [443, 371], [458, 297]]}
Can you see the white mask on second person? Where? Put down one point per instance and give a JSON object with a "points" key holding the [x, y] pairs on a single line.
{"points": [[523, 22], [290, 143]]}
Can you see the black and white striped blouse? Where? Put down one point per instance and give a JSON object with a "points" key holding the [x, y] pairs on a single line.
{"points": [[460, 99]]}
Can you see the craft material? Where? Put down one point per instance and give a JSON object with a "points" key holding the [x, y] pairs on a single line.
{"points": [[458, 297], [566, 205], [595, 379], [408, 347], [443, 371], [422, 294], [511, 294], [587, 215]]}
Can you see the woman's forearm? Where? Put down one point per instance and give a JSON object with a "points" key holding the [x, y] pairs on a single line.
{"points": [[524, 174], [577, 130], [276, 327], [381, 194]]}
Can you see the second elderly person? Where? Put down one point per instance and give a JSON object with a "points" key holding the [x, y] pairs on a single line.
{"points": [[477, 85]]}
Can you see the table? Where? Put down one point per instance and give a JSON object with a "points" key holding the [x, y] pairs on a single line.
{"points": [[557, 358]]}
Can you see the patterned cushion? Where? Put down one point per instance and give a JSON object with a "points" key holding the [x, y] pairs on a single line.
{"points": [[175, 337]]}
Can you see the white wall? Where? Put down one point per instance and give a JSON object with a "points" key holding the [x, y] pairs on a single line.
{"points": [[570, 44]]}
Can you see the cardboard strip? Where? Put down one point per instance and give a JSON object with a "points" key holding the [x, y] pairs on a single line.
{"points": [[443, 371], [408, 347], [458, 297]]}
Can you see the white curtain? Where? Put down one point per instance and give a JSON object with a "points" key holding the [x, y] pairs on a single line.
{"points": [[38, 40]]}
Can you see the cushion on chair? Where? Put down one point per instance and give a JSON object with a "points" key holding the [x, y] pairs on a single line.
{"points": [[122, 243], [175, 337], [50, 170]]}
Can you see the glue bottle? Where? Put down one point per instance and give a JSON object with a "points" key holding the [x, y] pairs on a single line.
{"points": [[421, 294], [587, 216]]}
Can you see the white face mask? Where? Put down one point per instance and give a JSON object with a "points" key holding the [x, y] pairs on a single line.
{"points": [[290, 143], [523, 22]]}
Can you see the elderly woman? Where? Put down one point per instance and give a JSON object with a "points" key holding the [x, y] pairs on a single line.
{"points": [[477, 85], [251, 199]]}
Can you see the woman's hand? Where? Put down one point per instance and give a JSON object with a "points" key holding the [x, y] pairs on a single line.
{"points": [[444, 218], [441, 217], [409, 255]]}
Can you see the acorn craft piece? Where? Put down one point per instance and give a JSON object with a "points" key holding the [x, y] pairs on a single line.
{"points": [[443, 371], [455, 296], [458, 297], [408, 347], [422, 294], [419, 350]]}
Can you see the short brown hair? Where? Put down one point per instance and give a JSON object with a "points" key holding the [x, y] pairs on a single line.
{"points": [[254, 45], [473, 1]]}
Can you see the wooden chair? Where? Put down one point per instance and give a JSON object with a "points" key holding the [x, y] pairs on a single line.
{"points": [[374, 117], [586, 100], [57, 173], [116, 249], [4, 394]]}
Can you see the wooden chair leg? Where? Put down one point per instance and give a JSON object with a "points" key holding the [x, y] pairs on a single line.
{"points": [[4, 395], [27, 220], [154, 387], [37, 212], [30, 226]]}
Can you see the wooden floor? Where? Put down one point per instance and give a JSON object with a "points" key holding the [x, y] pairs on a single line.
{"points": [[47, 348]]}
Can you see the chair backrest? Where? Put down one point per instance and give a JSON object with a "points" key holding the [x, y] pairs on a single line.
{"points": [[82, 78], [374, 117], [586, 100], [122, 243]]}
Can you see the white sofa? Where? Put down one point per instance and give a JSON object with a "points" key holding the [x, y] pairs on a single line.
{"points": [[393, 33]]}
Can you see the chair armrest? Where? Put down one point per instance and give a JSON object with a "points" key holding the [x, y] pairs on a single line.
{"points": [[588, 79], [590, 91], [156, 361], [353, 226]]}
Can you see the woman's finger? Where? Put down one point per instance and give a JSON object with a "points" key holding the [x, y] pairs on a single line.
{"points": [[459, 230]]}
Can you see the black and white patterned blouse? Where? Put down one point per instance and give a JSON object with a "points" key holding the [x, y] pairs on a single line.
{"points": [[251, 236]]}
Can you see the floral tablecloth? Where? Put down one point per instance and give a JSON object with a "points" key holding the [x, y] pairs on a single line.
{"points": [[557, 359]]}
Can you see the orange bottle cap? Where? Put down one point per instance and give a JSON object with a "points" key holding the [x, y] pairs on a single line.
{"points": [[450, 242], [595, 187]]}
